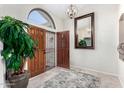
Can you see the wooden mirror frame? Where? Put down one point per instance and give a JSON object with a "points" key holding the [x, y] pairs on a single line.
{"points": [[92, 31]]}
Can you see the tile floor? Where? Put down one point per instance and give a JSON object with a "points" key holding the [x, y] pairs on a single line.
{"points": [[107, 81]]}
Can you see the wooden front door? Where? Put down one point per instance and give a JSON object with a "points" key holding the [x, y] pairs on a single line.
{"points": [[37, 64], [63, 49]]}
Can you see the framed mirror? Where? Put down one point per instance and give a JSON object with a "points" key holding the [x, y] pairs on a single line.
{"points": [[84, 31]]}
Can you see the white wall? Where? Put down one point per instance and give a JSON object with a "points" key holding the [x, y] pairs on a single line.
{"points": [[121, 72], [21, 12], [121, 63], [104, 57], [2, 72], [2, 69]]}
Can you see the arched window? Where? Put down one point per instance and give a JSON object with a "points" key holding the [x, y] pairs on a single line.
{"points": [[41, 17]]}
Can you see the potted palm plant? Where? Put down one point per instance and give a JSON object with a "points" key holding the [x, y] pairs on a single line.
{"points": [[17, 47]]}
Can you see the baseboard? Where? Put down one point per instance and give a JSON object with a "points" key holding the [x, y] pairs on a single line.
{"points": [[84, 68]]}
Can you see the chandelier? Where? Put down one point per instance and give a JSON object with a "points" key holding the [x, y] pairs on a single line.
{"points": [[71, 11]]}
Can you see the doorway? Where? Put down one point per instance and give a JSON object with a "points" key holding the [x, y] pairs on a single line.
{"points": [[36, 65], [44, 58], [63, 49], [50, 50]]}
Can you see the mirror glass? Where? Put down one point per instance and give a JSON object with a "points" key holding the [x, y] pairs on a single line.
{"points": [[84, 28], [121, 38]]}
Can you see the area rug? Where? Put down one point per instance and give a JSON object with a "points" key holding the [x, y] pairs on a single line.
{"points": [[72, 79]]}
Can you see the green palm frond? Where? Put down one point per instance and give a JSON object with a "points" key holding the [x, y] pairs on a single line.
{"points": [[17, 42]]}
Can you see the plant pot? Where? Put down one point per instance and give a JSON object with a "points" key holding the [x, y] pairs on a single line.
{"points": [[19, 81]]}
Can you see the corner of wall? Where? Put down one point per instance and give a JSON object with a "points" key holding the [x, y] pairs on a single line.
{"points": [[121, 72]]}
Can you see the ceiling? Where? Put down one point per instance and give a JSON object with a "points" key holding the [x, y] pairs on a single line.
{"points": [[60, 9]]}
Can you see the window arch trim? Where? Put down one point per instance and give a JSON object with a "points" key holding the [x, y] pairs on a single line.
{"points": [[44, 13]]}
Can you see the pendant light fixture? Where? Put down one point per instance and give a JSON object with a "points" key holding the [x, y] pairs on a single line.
{"points": [[71, 11]]}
